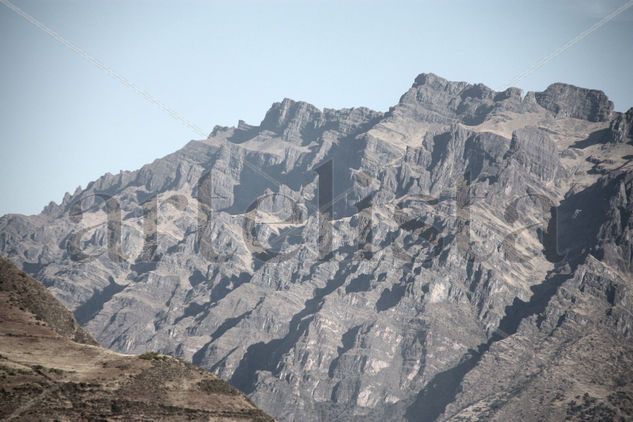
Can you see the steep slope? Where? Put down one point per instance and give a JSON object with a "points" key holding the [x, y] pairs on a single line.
{"points": [[345, 264], [573, 360], [51, 369]]}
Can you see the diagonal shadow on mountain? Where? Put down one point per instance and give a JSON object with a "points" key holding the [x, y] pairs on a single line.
{"points": [[570, 234], [266, 356], [90, 308]]}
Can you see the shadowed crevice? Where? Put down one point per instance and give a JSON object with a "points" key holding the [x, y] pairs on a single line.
{"points": [[570, 236], [89, 309], [266, 356]]}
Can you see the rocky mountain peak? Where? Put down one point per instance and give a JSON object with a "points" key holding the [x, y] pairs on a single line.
{"points": [[438, 100], [462, 221], [512, 92], [566, 100], [291, 116], [432, 82]]}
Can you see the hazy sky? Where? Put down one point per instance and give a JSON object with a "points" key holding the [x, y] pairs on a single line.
{"points": [[65, 122]]}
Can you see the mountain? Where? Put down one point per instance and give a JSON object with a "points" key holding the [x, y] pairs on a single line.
{"points": [[466, 254], [51, 369]]}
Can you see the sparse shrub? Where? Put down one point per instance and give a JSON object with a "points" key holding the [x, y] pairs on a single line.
{"points": [[116, 408], [216, 386], [152, 356]]}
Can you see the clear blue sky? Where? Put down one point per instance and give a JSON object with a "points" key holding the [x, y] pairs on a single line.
{"points": [[64, 122]]}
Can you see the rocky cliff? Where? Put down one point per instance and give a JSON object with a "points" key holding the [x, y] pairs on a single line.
{"points": [[457, 256]]}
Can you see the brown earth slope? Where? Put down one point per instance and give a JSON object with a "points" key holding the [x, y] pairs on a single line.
{"points": [[51, 369]]}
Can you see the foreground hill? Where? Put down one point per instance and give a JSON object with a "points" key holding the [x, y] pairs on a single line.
{"points": [[473, 258], [51, 369]]}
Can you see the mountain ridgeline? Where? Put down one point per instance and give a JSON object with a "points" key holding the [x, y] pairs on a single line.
{"points": [[465, 255]]}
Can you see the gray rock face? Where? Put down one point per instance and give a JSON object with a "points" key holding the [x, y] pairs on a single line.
{"points": [[576, 354], [463, 229], [580, 103], [621, 128]]}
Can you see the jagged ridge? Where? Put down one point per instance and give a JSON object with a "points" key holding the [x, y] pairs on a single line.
{"points": [[462, 185]]}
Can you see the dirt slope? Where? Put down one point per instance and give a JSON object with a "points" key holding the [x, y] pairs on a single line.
{"points": [[51, 369]]}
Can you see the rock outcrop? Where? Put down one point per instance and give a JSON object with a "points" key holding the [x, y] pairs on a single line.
{"points": [[358, 265], [570, 101], [621, 128]]}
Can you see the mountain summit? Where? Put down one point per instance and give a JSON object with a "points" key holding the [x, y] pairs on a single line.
{"points": [[465, 255]]}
